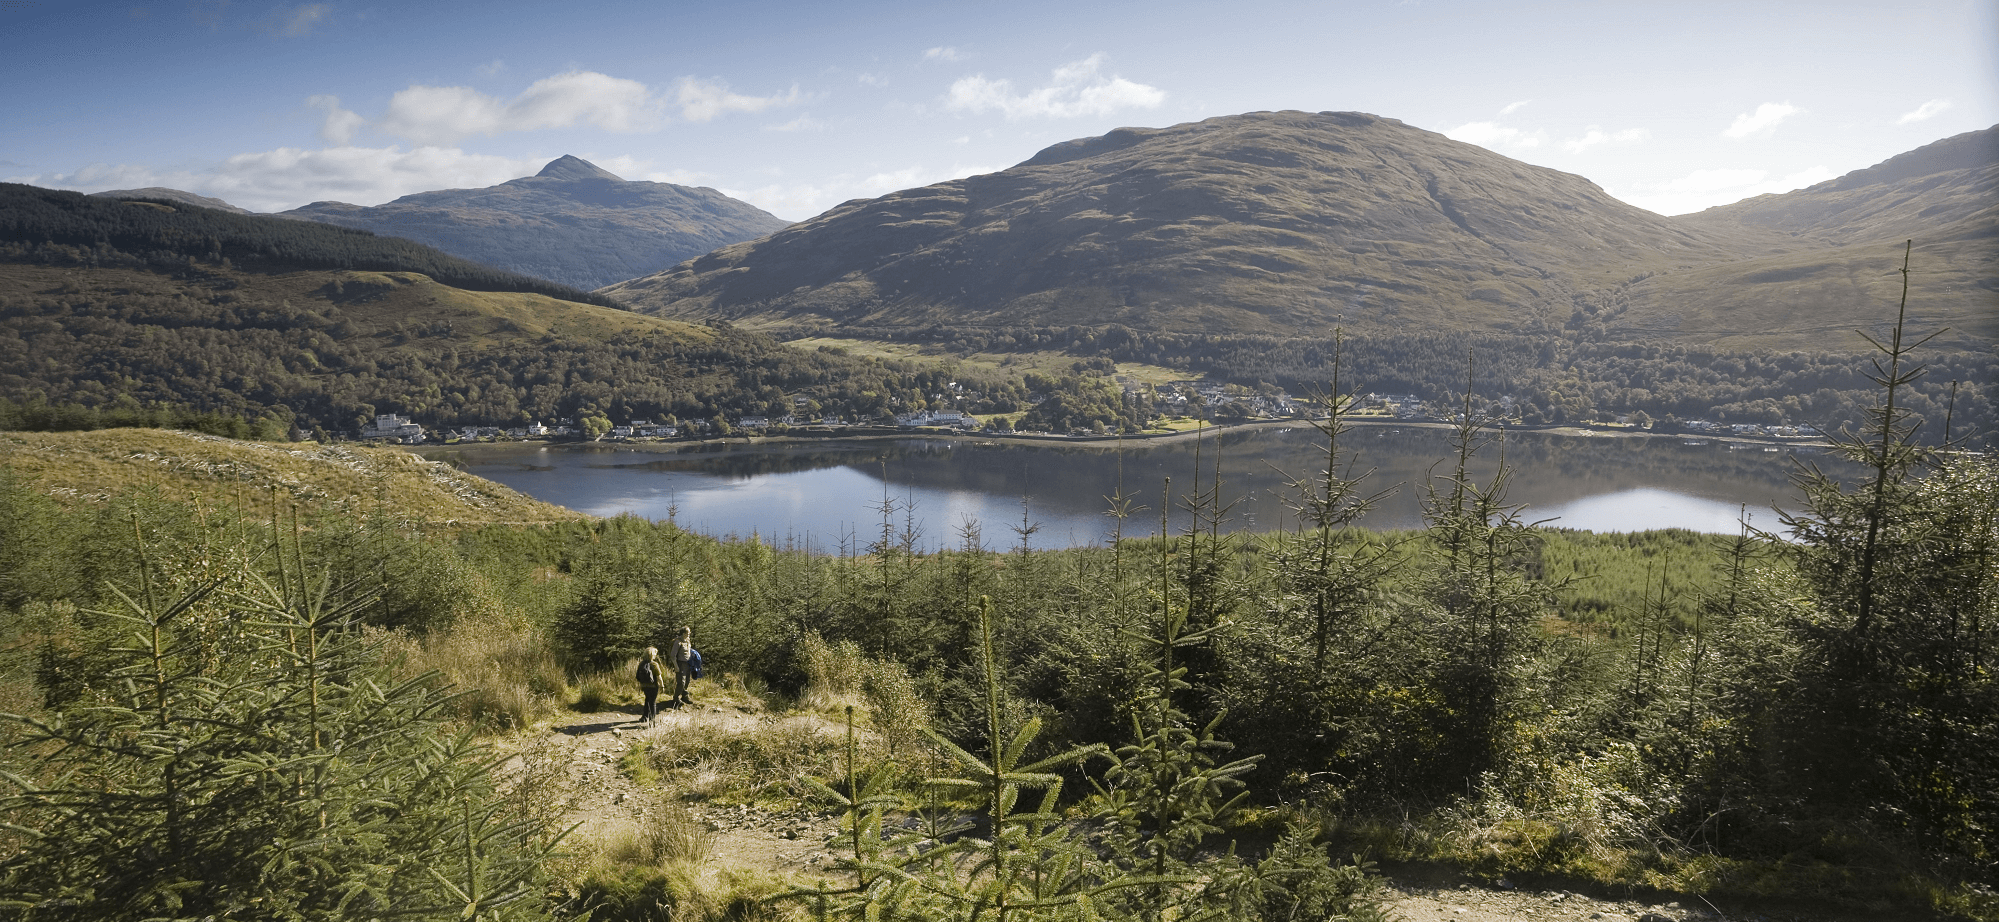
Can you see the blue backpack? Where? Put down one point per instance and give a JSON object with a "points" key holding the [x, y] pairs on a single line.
{"points": [[694, 662]]}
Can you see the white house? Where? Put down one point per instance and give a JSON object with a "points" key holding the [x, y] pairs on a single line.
{"points": [[393, 426]]}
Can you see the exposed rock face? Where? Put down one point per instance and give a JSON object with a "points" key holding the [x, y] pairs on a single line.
{"points": [[573, 223], [1272, 222]]}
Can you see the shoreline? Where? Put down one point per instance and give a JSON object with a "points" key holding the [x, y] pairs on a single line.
{"points": [[1117, 442]]}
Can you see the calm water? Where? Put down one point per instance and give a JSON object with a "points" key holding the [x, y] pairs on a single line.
{"points": [[821, 494]]}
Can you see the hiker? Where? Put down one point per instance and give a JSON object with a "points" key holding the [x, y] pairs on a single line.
{"points": [[649, 681], [684, 666]]}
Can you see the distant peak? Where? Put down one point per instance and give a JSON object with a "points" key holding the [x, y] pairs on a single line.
{"points": [[568, 167]]}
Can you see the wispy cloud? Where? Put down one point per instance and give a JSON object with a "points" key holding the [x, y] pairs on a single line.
{"points": [[701, 100], [1925, 111], [942, 53], [292, 22], [1595, 136], [1709, 188], [1765, 119], [1073, 90], [1494, 135], [1513, 107], [441, 115], [872, 79], [491, 68]]}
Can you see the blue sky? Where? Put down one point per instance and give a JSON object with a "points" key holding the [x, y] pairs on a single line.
{"points": [[796, 107]]}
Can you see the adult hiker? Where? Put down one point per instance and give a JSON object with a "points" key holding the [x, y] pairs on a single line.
{"points": [[650, 673], [684, 666]]}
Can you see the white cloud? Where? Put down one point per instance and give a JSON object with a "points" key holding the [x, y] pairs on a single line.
{"points": [[1513, 107], [1924, 111], [276, 180], [340, 124], [1595, 136], [872, 79], [1074, 89], [701, 100], [942, 53], [1493, 135], [1764, 119], [1709, 188], [491, 68], [440, 115]]}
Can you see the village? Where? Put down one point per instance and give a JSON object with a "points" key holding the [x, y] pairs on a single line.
{"points": [[1181, 401]]}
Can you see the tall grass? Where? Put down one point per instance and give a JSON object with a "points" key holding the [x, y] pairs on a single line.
{"points": [[503, 669]]}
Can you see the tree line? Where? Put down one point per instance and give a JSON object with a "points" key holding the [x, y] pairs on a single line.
{"points": [[1555, 378]]}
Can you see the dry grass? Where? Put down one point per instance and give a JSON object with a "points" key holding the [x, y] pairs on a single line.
{"points": [[503, 670], [90, 467], [719, 756], [1013, 364]]}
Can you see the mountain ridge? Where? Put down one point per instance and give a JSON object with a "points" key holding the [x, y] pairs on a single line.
{"points": [[1289, 223], [573, 222]]}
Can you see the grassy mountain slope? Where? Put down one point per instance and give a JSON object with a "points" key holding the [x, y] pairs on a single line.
{"points": [[1269, 222], [572, 223], [1286, 223], [1843, 242], [85, 467]]}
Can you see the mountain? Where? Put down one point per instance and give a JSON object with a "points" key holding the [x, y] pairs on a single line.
{"points": [[573, 223], [131, 307], [54, 226], [1270, 222], [1920, 194], [173, 195], [1281, 223], [1837, 249]]}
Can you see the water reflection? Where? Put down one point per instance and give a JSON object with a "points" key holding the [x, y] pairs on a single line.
{"points": [[822, 494]]}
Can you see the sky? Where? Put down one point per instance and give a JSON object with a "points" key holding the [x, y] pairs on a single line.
{"points": [[796, 107]]}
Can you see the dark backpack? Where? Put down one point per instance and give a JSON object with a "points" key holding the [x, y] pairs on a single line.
{"points": [[646, 674], [694, 662]]}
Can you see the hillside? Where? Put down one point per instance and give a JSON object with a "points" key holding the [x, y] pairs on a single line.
{"points": [[161, 193], [1269, 222], [50, 226], [1843, 241], [183, 467], [1285, 223], [572, 223]]}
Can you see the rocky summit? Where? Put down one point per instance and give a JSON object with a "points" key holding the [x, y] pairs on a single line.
{"points": [[574, 223]]}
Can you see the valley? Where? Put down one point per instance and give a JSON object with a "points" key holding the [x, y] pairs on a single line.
{"points": [[1267, 661]]}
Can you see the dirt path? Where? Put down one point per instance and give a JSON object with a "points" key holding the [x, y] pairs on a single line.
{"points": [[605, 803], [586, 749]]}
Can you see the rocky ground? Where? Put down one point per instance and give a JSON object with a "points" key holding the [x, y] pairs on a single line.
{"points": [[586, 749]]}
